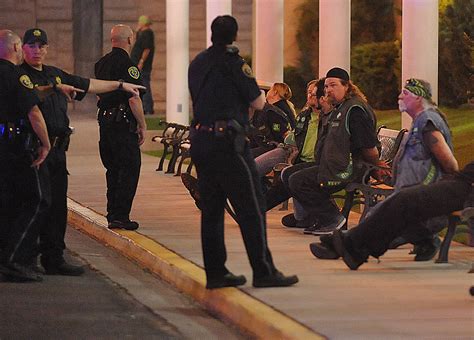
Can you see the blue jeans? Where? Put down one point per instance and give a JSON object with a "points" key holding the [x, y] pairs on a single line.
{"points": [[147, 97]]}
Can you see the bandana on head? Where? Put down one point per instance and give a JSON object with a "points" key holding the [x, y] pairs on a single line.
{"points": [[417, 88]]}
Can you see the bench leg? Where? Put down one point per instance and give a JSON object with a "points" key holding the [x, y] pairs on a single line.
{"points": [[172, 163], [162, 159], [443, 252], [180, 165], [190, 167]]}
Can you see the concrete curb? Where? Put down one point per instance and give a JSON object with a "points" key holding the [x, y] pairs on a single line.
{"points": [[231, 304]]}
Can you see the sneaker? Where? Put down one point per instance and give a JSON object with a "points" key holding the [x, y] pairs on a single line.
{"points": [[309, 230], [65, 269], [329, 228], [323, 251], [427, 250], [290, 221], [274, 280], [191, 183], [127, 225], [15, 272], [228, 280], [352, 261]]}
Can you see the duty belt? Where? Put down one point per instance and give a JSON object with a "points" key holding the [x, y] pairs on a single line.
{"points": [[59, 141], [9, 131]]}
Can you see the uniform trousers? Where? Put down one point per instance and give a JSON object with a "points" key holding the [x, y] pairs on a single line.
{"points": [[21, 204], [224, 174], [54, 180], [120, 155], [403, 213]]}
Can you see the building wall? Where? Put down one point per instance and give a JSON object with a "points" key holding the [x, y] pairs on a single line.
{"points": [[56, 18]]}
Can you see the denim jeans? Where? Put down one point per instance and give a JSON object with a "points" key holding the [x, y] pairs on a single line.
{"points": [[148, 96]]}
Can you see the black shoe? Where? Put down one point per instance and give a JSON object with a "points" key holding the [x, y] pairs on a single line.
{"points": [[228, 280], [290, 221], [65, 269], [427, 250], [191, 183], [398, 242], [309, 230], [323, 251], [327, 228], [127, 225], [15, 272], [353, 262], [275, 280]]}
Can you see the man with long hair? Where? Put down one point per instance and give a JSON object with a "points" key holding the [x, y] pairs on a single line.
{"points": [[349, 138]]}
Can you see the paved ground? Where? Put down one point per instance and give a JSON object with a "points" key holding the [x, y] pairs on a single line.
{"points": [[114, 299], [396, 298]]}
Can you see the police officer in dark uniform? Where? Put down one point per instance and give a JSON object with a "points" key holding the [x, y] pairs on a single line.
{"points": [[222, 88], [122, 129], [54, 173], [21, 125]]}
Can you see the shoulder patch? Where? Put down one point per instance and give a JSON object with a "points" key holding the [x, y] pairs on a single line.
{"points": [[58, 80], [26, 82], [133, 72], [247, 70], [276, 127]]}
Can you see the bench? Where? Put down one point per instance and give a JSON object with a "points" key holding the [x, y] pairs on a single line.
{"points": [[368, 191], [171, 136], [466, 215]]}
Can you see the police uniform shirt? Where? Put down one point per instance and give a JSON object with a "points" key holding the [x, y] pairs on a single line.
{"points": [[116, 65], [54, 107], [17, 96], [222, 85]]}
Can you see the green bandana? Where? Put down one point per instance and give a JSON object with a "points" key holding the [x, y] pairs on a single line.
{"points": [[417, 88]]}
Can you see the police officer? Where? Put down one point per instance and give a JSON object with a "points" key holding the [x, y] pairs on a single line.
{"points": [[21, 125], [222, 88], [122, 129], [54, 173]]}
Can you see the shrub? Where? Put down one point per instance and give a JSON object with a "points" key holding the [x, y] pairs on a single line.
{"points": [[375, 70]]}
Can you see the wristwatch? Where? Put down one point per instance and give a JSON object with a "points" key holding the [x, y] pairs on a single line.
{"points": [[120, 84]]}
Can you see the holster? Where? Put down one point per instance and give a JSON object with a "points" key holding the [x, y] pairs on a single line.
{"points": [[238, 135]]}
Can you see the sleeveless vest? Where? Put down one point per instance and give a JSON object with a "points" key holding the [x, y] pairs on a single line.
{"points": [[414, 163], [336, 162]]}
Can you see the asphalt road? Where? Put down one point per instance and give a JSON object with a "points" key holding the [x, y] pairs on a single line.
{"points": [[114, 299]]}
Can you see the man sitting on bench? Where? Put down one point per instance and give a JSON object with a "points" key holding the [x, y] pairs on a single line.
{"points": [[403, 213]]}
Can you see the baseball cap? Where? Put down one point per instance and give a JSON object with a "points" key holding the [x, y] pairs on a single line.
{"points": [[35, 35], [144, 20]]}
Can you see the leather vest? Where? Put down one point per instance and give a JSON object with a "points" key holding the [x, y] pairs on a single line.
{"points": [[336, 162]]}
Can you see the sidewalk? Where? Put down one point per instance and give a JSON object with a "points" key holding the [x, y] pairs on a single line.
{"points": [[397, 298]]}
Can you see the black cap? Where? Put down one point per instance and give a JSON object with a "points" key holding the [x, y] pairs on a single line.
{"points": [[35, 35], [224, 30], [337, 72]]}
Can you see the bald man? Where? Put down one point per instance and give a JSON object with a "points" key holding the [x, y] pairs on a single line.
{"points": [[122, 129], [24, 145]]}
